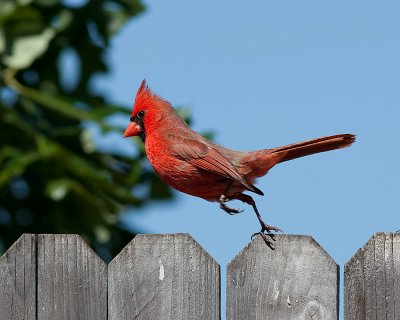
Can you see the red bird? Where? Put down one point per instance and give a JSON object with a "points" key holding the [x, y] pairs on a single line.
{"points": [[194, 165]]}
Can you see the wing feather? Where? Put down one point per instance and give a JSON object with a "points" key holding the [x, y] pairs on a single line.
{"points": [[207, 158]]}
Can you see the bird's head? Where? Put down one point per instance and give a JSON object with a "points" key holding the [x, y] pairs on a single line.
{"points": [[145, 112]]}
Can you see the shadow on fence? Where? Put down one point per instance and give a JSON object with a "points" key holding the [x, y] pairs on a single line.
{"points": [[170, 276]]}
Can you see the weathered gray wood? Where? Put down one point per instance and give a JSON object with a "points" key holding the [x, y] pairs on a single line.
{"points": [[163, 277], [372, 280], [18, 280], [72, 279], [297, 280]]}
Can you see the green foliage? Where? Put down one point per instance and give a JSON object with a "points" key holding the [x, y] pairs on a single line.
{"points": [[53, 178]]}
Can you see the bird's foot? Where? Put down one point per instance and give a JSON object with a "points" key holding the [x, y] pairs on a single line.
{"points": [[266, 232], [222, 203]]}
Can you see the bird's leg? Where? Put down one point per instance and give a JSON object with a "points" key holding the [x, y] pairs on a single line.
{"points": [[264, 227], [223, 199]]}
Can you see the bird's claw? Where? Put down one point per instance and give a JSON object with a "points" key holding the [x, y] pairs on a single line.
{"points": [[231, 211], [266, 230]]}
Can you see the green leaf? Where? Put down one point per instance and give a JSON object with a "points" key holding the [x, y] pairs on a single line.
{"points": [[25, 36], [53, 102], [15, 164], [26, 49], [19, 20], [63, 20], [116, 19], [106, 110], [57, 189], [133, 7]]}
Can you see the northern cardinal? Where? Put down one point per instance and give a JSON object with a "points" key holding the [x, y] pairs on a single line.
{"points": [[194, 165]]}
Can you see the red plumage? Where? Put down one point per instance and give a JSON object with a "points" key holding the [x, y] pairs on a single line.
{"points": [[194, 165]]}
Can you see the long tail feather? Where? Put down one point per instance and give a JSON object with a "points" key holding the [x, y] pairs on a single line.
{"points": [[305, 148]]}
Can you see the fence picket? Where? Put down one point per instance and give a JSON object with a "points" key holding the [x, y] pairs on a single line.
{"points": [[18, 280], [297, 280], [72, 279], [163, 277], [372, 280]]}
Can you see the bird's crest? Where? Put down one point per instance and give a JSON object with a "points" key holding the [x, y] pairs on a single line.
{"points": [[144, 98], [143, 87], [143, 94]]}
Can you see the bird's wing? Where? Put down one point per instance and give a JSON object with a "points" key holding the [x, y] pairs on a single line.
{"points": [[207, 158]]}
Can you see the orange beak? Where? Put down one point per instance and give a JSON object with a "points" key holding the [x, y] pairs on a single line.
{"points": [[132, 130]]}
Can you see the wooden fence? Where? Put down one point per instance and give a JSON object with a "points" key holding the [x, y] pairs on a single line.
{"points": [[171, 277]]}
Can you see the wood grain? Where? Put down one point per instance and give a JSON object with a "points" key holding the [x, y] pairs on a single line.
{"points": [[18, 280], [72, 279], [372, 280], [297, 280], [163, 277]]}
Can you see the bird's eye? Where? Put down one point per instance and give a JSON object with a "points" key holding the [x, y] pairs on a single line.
{"points": [[140, 114]]}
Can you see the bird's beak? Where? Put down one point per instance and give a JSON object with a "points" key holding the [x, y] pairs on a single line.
{"points": [[132, 130]]}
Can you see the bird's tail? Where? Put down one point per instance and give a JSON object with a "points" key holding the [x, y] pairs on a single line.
{"points": [[305, 148]]}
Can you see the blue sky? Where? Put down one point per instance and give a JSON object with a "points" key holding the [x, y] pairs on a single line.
{"points": [[262, 74]]}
